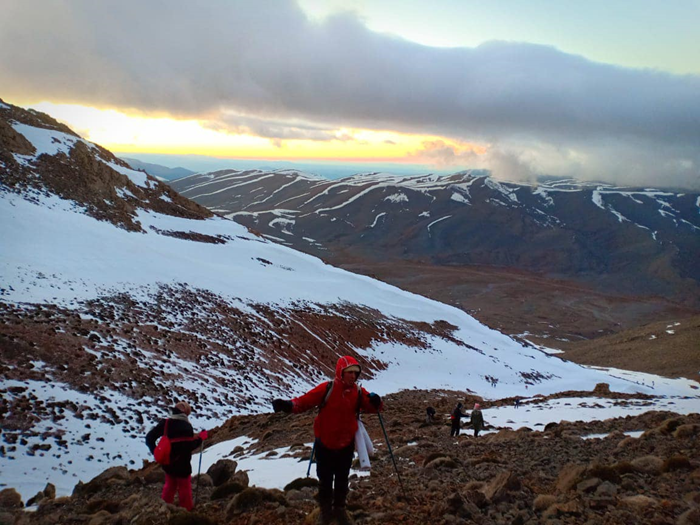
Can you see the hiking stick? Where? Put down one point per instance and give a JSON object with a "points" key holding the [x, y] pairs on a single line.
{"points": [[381, 422], [311, 459], [199, 473]]}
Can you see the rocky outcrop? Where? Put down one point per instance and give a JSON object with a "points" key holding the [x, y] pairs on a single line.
{"points": [[531, 477]]}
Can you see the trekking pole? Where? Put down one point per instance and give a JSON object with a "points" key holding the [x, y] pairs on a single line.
{"points": [[311, 459], [199, 473], [381, 422]]}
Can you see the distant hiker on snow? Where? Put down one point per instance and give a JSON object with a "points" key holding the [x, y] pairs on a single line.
{"points": [[456, 418], [182, 442], [430, 415], [339, 403], [477, 420]]}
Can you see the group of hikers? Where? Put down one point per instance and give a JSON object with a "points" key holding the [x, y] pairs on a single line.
{"points": [[476, 420], [339, 402]]}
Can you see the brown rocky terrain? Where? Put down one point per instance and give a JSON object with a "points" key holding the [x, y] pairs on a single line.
{"points": [[592, 327], [667, 348], [526, 476]]}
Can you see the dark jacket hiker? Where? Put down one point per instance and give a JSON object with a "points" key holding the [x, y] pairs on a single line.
{"points": [[456, 418], [178, 472], [334, 429]]}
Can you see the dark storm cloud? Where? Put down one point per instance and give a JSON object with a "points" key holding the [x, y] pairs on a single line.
{"points": [[268, 61]]}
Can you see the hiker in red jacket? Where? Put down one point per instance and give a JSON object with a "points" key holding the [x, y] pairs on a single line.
{"points": [[178, 472], [334, 428]]}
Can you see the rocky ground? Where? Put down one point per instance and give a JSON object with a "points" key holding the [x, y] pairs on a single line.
{"points": [[525, 476]]}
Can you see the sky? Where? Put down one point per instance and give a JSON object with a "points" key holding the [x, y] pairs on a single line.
{"points": [[593, 90]]}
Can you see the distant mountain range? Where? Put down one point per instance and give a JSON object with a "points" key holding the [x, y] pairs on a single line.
{"points": [[158, 171], [619, 240]]}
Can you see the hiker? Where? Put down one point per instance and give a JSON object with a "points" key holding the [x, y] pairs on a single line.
{"points": [[456, 418], [430, 415], [517, 402], [339, 402], [477, 420], [183, 442]]}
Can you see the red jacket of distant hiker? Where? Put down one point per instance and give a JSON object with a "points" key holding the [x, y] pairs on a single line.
{"points": [[336, 422]]}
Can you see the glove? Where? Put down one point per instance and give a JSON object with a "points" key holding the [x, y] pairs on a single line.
{"points": [[282, 405], [203, 435], [375, 400]]}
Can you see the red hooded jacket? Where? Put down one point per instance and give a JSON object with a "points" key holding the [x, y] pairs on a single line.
{"points": [[336, 423]]}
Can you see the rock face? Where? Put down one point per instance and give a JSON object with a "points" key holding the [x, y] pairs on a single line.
{"points": [[82, 172], [532, 477], [624, 240]]}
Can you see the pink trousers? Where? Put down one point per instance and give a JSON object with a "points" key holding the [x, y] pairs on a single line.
{"points": [[183, 487]]}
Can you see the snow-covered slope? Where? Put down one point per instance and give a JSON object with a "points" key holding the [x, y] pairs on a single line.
{"points": [[104, 326]]}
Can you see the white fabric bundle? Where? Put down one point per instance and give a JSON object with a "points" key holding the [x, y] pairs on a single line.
{"points": [[363, 445]]}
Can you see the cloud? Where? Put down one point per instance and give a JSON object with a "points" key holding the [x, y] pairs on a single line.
{"points": [[278, 130], [268, 61], [504, 164]]}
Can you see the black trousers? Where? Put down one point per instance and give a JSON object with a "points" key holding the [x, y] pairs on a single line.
{"points": [[333, 466], [455, 428]]}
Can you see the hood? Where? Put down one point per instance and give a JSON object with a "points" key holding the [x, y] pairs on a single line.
{"points": [[343, 363]]}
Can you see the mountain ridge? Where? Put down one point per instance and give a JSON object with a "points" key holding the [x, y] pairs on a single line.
{"points": [[629, 240]]}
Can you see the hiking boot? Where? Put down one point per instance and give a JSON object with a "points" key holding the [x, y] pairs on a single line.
{"points": [[325, 516], [342, 517]]}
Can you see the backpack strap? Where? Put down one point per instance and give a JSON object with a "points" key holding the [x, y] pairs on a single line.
{"points": [[329, 388]]}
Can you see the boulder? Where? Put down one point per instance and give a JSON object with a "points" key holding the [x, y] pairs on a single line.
{"points": [[639, 501], [406, 451], [111, 476], [100, 518], [648, 465], [10, 499], [222, 471], [226, 490], [247, 500], [601, 389], [442, 462], [242, 478], [604, 472], [588, 485], [676, 463], [203, 480], [430, 457], [497, 490], [686, 431], [690, 517], [50, 491], [570, 476], [300, 483], [543, 502], [627, 442], [569, 508]]}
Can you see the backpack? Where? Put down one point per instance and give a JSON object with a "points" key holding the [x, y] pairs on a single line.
{"points": [[163, 448], [329, 388]]}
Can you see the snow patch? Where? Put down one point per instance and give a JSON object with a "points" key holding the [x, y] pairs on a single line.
{"points": [[396, 198], [374, 223]]}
